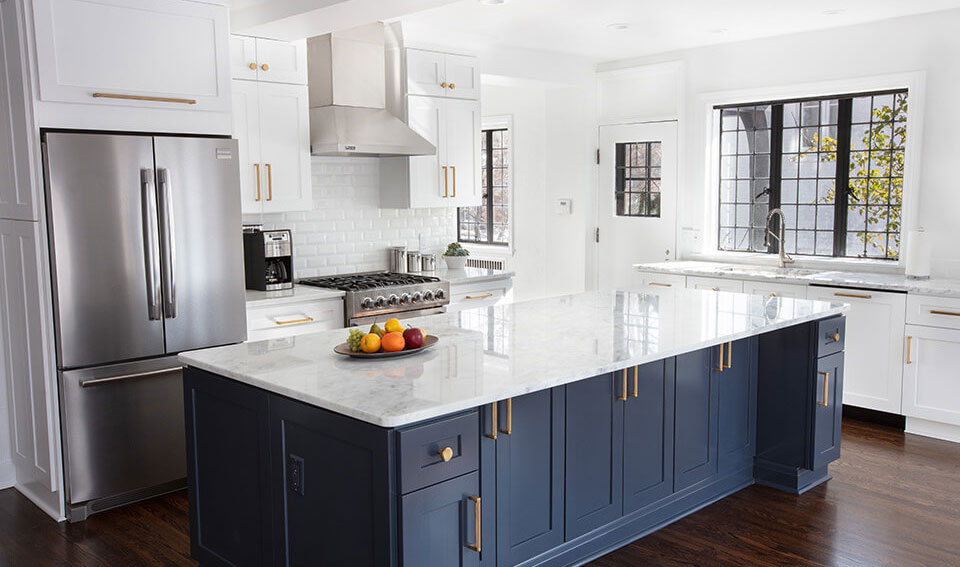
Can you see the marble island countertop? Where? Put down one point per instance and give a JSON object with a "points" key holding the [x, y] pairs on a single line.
{"points": [[837, 278], [492, 353]]}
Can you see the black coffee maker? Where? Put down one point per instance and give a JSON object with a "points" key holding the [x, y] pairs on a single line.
{"points": [[268, 259]]}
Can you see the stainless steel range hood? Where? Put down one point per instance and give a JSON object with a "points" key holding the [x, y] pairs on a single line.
{"points": [[348, 98]]}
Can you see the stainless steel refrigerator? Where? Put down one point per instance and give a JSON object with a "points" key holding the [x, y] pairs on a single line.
{"points": [[147, 261]]}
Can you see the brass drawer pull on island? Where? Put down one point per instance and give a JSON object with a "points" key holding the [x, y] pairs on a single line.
{"points": [[446, 454], [482, 296], [938, 312], [623, 387], [509, 429], [636, 382], [720, 365], [493, 422], [146, 98], [834, 337], [729, 356], [826, 389], [477, 519], [909, 343], [853, 295]]}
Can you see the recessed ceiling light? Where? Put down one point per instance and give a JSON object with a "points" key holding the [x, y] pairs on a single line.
{"points": [[719, 31], [832, 12], [618, 26], [493, 2]]}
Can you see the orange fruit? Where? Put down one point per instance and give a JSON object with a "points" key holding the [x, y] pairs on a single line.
{"points": [[370, 343], [392, 342]]}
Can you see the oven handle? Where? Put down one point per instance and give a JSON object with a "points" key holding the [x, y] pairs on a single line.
{"points": [[358, 321]]}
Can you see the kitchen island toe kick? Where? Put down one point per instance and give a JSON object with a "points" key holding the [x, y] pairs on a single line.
{"points": [[541, 433]]}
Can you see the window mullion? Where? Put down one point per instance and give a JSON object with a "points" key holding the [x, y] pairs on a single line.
{"points": [[842, 188], [488, 190], [776, 169]]}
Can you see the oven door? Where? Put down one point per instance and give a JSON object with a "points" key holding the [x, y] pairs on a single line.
{"points": [[371, 319]]}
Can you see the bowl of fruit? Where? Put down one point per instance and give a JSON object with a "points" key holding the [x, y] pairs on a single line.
{"points": [[389, 341]]}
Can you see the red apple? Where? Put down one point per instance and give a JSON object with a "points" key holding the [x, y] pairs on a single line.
{"points": [[413, 338]]}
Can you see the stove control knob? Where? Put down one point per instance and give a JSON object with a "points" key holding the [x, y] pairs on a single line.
{"points": [[366, 303], [404, 298], [415, 298], [394, 299], [381, 301], [428, 295], [439, 294]]}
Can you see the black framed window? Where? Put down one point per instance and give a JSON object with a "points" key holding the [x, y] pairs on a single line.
{"points": [[638, 179], [489, 223], [794, 155]]}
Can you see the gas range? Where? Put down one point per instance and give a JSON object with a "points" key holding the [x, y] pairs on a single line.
{"points": [[375, 296]]}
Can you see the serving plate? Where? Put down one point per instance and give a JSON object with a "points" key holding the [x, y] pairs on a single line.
{"points": [[344, 349]]}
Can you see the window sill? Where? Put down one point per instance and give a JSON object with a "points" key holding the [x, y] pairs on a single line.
{"points": [[488, 249], [808, 262]]}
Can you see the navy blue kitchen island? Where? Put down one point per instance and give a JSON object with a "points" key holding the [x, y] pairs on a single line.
{"points": [[503, 449]]}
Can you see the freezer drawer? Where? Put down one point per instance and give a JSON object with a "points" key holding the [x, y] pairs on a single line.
{"points": [[123, 428]]}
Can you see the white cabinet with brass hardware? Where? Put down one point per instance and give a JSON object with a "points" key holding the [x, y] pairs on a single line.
{"points": [[271, 122], [432, 73], [293, 318], [662, 281], [116, 56], [482, 294], [451, 178], [269, 60], [874, 345], [931, 381]]}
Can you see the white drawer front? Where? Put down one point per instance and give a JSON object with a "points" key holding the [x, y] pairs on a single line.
{"points": [[291, 319], [933, 311], [774, 289], [468, 296], [715, 284], [931, 380], [662, 281]]}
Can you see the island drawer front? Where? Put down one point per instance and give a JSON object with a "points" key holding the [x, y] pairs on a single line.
{"points": [[831, 334], [932, 311], [421, 448]]}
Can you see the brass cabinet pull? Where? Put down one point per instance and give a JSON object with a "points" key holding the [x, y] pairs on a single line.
{"points": [[443, 85], [938, 312], [454, 169], [446, 189], [853, 295], [636, 382], [477, 518], [720, 365], [146, 98], [509, 429], [482, 296], [493, 422], [826, 389], [909, 342], [453, 86], [256, 166], [265, 67], [623, 387], [773, 295], [834, 337], [729, 355], [658, 284], [253, 66], [446, 454], [304, 320], [269, 183]]}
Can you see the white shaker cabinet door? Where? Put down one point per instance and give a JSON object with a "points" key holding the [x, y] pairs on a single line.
{"points": [[425, 73], [160, 54], [461, 121], [931, 374], [243, 57], [427, 185], [284, 148], [873, 367], [246, 129], [462, 74], [282, 61]]}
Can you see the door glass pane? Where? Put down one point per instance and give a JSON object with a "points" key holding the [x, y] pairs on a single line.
{"points": [[637, 185]]}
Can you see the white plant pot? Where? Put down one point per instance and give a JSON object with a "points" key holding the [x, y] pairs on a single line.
{"points": [[455, 262]]}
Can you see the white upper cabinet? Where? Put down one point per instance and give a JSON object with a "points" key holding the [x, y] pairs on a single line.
{"points": [[158, 54], [271, 124], [442, 74], [461, 121], [268, 60], [424, 118]]}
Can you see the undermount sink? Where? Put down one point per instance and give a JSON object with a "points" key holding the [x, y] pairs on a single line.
{"points": [[770, 271]]}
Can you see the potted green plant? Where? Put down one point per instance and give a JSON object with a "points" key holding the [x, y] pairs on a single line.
{"points": [[456, 256]]}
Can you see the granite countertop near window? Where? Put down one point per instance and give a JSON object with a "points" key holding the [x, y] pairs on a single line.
{"points": [[836, 278]]}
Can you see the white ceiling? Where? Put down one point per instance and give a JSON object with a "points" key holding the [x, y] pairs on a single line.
{"points": [[655, 26]]}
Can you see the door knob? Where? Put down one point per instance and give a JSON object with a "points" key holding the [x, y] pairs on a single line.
{"points": [[446, 454]]}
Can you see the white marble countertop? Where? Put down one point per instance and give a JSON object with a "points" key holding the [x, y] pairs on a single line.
{"points": [[298, 293], [491, 353], [468, 275], [837, 278]]}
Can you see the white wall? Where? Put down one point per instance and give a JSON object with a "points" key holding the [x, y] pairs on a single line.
{"points": [[347, 231], [927, 43]]}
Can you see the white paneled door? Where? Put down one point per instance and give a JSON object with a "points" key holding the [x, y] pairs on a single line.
{"points": [[637, 201]]}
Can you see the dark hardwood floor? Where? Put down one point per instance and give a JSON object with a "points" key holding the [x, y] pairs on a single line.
{"points": [[894, 500]]}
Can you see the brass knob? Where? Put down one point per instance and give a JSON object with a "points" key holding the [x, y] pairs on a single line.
{"points": [[835, 337], [773, 295], [265, 67], [443, 85], [453, 86], [446, 454], [253, 66]]}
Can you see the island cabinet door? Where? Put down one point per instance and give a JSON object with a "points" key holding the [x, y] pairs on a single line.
{"points": [[440, 525], [594, 452], [695, 456], [827, 410], [530, 476], [737, 384], [648, 436]]}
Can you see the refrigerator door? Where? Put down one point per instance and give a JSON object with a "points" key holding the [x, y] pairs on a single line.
{"points": [[198, 182], [102, 215], [123, 428]]}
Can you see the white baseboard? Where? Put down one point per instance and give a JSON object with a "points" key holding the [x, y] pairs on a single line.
{"points": [[935, 429], [8, 474]]}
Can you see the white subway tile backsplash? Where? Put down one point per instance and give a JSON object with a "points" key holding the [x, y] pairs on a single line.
{"points": [[347, 231]]}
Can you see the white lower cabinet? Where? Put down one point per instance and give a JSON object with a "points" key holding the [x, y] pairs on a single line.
{"points": [[775, 289], [715, 284], [874, 346], [294, 318], [482, 294], [931, 374], [658, 280]]}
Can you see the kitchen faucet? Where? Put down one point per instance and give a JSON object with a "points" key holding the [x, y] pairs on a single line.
{"points": [[784, 259]]}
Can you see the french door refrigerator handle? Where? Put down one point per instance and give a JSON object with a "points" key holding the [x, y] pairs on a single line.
{"points": [[149, 204], [168, 241]]}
